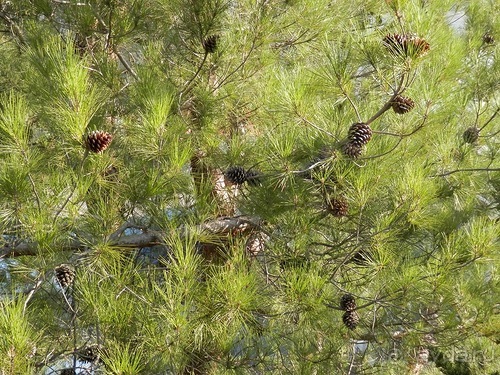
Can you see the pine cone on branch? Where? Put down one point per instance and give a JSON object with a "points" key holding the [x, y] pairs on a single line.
{"points": [[488, 38], [337, 206], [471, 135], [238, 175], [348, 302], [90, 353], [65, 274], [352, 151], [210, 43], [359, 134], [98, 141], [350, 319], [402, 104], [406, 45]]}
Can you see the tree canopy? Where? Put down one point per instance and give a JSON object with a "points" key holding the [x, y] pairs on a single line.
{"points": [[249, 187]]}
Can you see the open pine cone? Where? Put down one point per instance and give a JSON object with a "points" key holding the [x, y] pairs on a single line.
{"points": [[210, 43], [351, 319], [402, 104], [348, 302], [407, 45], [471, 135], [98, 141], [65, 274]]}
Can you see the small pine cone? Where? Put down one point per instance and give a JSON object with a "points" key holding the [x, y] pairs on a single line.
{"points": [[68, 371], [98, 141], [236, 175], [402, 104], [65, 274], [348, 302], [351, 150], [359, 134], [419, 46], [210, 43], [89, 354], [395, 42], [471, 135], [351, 319], [488, 38], [338, 206], [406, 45]]}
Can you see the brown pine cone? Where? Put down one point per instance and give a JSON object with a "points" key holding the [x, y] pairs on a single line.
{"points": [[402, 104], [98, 141]]}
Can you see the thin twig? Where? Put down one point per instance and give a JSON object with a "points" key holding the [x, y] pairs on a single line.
{"points": [[243, 62], [401, 136], [388, 104], [31, 293], [467, 170], [312, 166], [350, 101], [316, 126], [490, 119], [15, 30], [188, 84], [72, 192], [125, 63], [37, 197]]}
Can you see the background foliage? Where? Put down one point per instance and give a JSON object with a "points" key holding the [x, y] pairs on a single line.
{"points": [[173, 266]]}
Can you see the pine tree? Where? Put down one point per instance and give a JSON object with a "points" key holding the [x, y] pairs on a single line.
{"points": [[206, 187]]}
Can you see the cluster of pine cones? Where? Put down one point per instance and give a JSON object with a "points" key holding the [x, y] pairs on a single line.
{"points": [[350, 317]]}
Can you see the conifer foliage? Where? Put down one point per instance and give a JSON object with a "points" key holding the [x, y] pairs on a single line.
{"points": [[249, 187]]}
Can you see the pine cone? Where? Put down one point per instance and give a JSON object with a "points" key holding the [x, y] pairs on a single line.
{"points": [[351, 319], [351, 150], [402, 104], [471, 135], [65, 274], [89, 354], [68, 371], [348, 302], [98, 141], [359, 134], [337, 206], [210, 43], [407, 45], [488, 38], [238, 175]]}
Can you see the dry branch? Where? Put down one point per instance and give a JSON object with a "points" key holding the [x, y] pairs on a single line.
{"points": [[220, 227]]}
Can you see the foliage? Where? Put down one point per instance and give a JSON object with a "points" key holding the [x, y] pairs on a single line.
{"points": [[180, 269]]}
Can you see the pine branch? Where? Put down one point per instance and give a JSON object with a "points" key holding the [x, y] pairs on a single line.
{"points": [[467, 170], [220, 227], [15, 29]]}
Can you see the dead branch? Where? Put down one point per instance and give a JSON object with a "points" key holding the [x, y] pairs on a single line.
{"points": [[220, 227]]}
